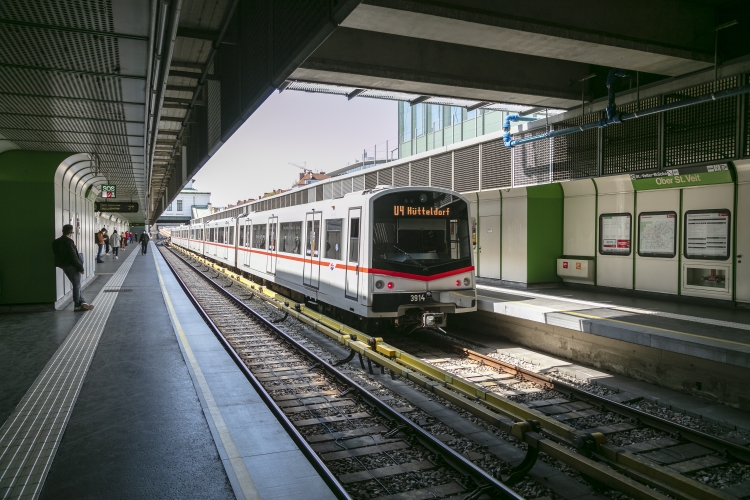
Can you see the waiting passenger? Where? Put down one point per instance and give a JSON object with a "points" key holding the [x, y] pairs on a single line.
{"points": [[70, 261], [115, 240], [105, 235], [144, 242], [100, 244]]}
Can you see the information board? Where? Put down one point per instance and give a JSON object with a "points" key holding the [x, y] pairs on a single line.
{"points": [[657, 234], [614, 234], [707, 234], [115, 207]]}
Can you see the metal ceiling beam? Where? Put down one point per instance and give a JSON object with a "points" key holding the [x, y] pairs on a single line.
{"points": [[180, 88], [69, 98], [187, 64], [64, 131], [71, 71], [419, 99], [354, 93], [184, 102], [72, 118], [79, 31], [478, 105], [197, 34], [188, 74]]}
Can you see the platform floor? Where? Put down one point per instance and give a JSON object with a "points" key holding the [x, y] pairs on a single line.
{"points": [[715, 333], [136, 399]]}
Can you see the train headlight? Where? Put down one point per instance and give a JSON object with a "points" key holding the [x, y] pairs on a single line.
{"points": [[423, 198], [429, 320], [379, 284], [458, 282], [390, 285], [467, 281]]}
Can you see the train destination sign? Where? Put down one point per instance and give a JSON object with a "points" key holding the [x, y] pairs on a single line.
{"points": [[109, 191], [127, 207], [683, 177], [409, 211]]}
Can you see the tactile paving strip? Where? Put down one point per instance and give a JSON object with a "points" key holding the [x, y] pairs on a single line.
{"points": [[29, 438]]}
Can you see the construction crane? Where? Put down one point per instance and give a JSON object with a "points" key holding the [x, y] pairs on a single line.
{"points": [[302, 167]]}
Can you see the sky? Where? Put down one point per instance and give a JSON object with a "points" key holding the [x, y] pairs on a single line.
{"points": [[326, 131]]}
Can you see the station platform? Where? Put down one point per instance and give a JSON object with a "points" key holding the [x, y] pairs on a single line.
{"points": [[678, 344], [136, 399]]}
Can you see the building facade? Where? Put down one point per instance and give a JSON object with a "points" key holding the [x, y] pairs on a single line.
{"points": [[425, 126], [182, 209]]}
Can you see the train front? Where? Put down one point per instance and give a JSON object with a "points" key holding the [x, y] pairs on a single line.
{"points": [[421, 266]]}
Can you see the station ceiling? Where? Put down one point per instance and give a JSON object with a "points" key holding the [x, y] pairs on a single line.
{"points": [[152, 88]]}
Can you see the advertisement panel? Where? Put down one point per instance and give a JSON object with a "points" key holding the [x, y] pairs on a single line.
{"points": [[614, 234]]}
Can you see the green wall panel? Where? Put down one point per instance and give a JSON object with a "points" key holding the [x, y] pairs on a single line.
{"points": [[27, 200], [544, 232]]}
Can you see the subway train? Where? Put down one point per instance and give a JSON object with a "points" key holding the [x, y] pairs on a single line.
{"points": [[401, 256]]}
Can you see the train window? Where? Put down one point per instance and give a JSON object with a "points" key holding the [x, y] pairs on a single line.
{"points": [[272, 236], [354, 240], [333, 238], [313, 238], [248, 234], [290, 237], [259, 236], [242, 236], [421, 232], [231, 236], [221, 235]]}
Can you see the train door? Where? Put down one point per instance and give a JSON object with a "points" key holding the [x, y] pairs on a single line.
{"points": [[351, 288], [248, 235], [272, 245], [311, 265]]}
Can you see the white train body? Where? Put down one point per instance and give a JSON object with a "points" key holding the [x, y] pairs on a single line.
{"points": [[400, 253]]}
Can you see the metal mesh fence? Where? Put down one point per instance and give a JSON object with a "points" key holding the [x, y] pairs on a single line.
{"points": [[701, 133], [633, 145], [496, 165], [531, 162], [575, 156]]}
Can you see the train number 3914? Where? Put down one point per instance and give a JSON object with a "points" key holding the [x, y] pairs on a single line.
{"points": [[417, 297]]}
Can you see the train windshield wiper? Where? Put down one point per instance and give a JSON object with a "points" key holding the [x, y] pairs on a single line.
{"points": [[411, 258]]}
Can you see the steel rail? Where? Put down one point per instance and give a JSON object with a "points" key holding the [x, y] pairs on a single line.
{"points": [[712, 442], [516, 419], [625, 471], [312, 457], [455, 459]]}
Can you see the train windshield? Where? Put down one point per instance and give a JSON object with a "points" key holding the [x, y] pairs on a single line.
{"points": [[420, 232]]}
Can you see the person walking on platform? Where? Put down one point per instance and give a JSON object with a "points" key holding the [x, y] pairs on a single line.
{"points": [[124, 240], [144, 242], [100, 244], [70, 261], [115, 240]]}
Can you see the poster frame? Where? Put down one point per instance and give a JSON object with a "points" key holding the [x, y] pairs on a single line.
{"points": [[674, 247], [685, 233], [630, 236]]}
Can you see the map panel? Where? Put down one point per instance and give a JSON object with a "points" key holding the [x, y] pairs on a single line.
{"points": [[657, 234]]}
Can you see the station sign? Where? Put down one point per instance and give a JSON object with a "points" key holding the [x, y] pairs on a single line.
{"points": [[109, 191], [126, 207], [703, 175]]}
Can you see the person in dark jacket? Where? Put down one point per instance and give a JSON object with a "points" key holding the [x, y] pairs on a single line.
{"points": [[100, 244], [144, 242], [67, 259]]}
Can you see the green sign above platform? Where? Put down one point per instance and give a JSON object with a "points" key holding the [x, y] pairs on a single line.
{"points": [[683, 177]]}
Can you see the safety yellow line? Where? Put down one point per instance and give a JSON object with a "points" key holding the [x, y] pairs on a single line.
{"points": [[591, 316], [235, 459]]}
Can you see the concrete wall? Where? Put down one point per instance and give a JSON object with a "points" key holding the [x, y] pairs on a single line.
{"points": [[705, 378]]}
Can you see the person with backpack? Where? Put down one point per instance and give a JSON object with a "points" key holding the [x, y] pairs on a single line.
{"points": [[100, 244], [144, 242], [115, 240], [70, 261]]}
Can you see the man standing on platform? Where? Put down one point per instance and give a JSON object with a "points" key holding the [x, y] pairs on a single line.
{"points": [[144, 242], [100, 244], [69, 260]]}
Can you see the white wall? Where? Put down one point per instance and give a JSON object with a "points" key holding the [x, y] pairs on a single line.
{"points": [[489, 234], [579, 225], [514, 209], [615, 196]]}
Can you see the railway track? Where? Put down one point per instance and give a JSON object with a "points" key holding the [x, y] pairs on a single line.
{"points": [[550, 422], [363, 447]]}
